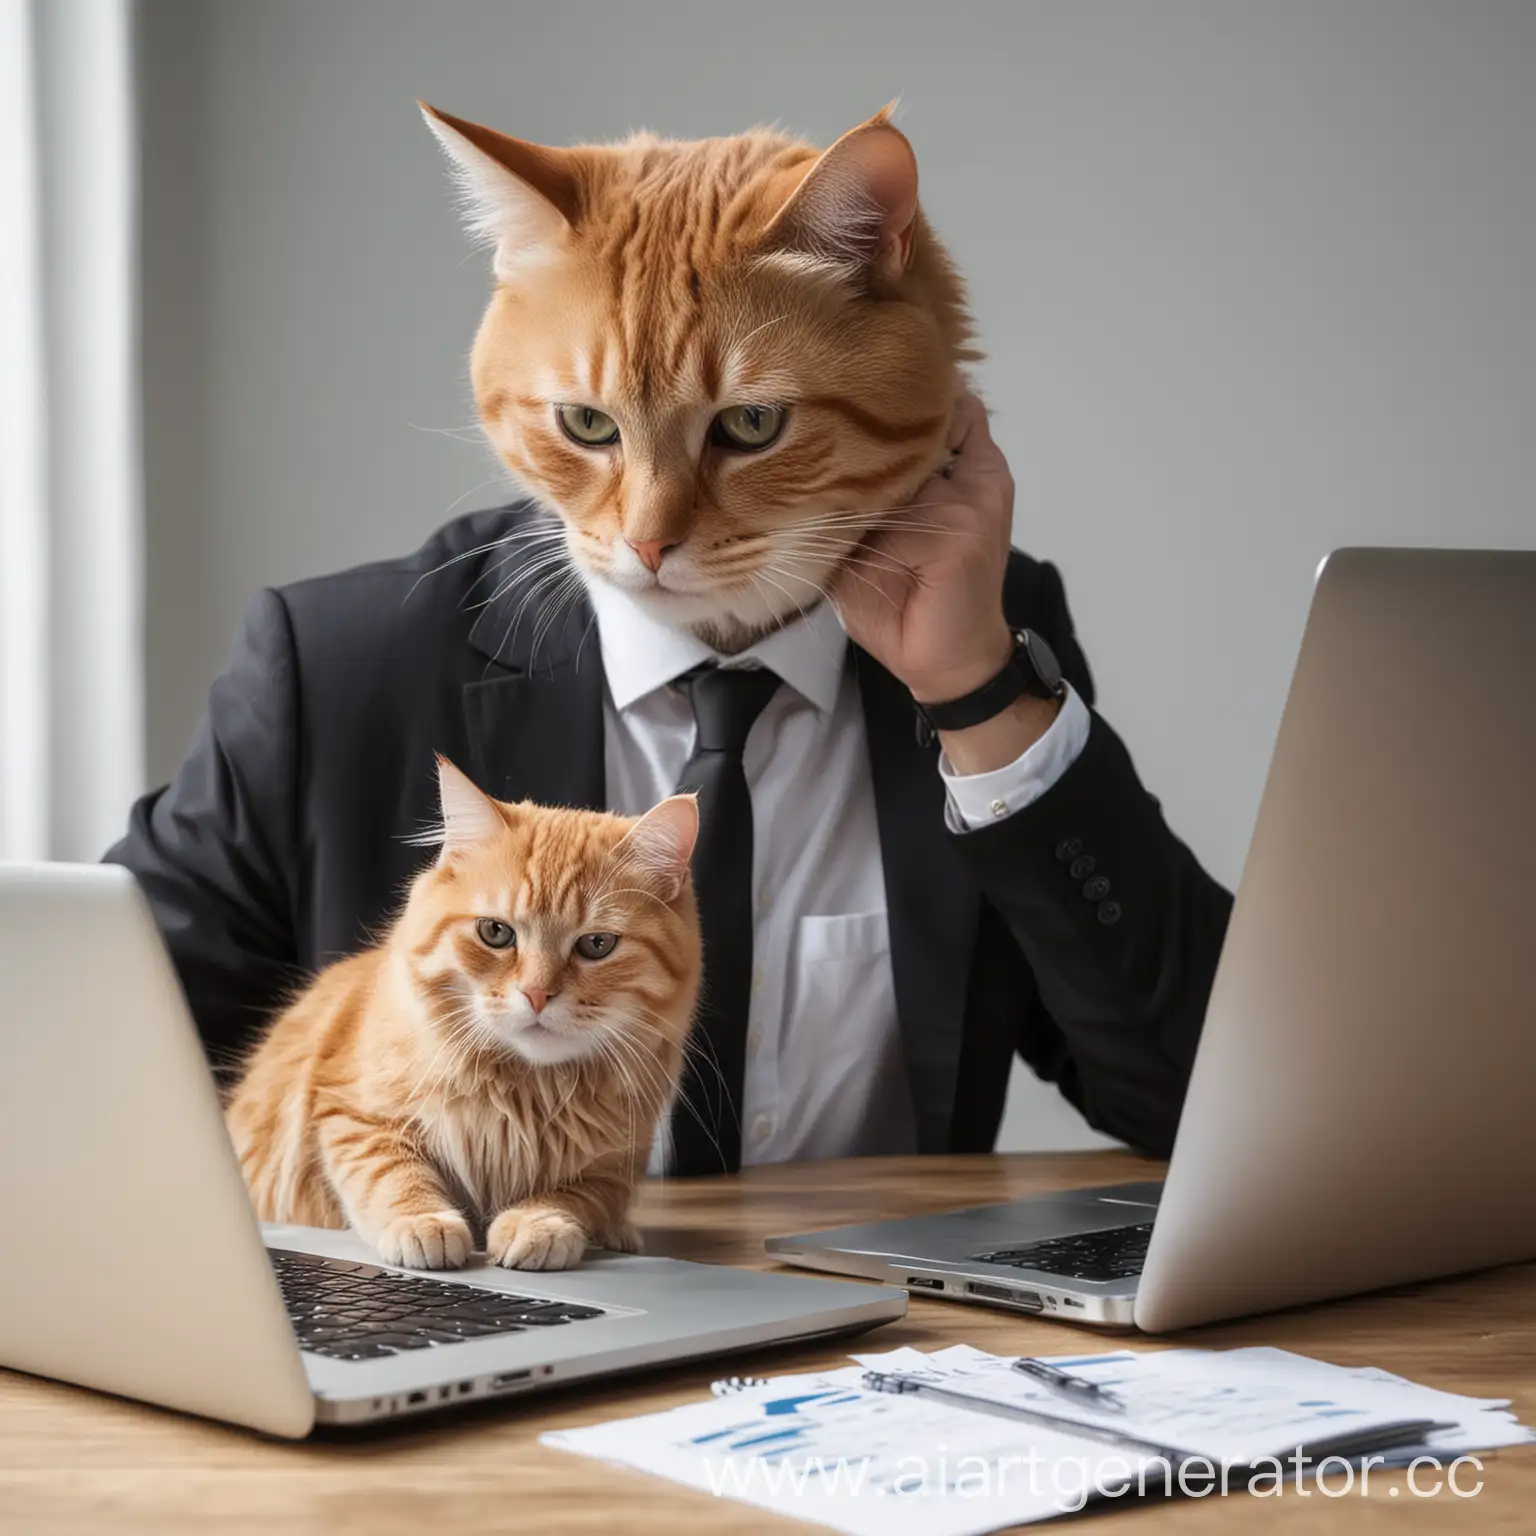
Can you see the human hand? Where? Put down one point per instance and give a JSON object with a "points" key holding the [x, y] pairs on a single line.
{"points": [[924, 594]]}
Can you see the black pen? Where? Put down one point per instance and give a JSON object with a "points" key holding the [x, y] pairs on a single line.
{"points": [[1078, 1388]]}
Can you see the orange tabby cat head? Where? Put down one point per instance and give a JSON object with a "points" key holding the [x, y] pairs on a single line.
{"points": [[722, 361], [555, 934]]}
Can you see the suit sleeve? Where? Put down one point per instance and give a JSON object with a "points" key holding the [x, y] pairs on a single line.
{"points": [[1116, 918], [214, 850]]}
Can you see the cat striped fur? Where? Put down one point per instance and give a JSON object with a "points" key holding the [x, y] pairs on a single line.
{"points": [[475, 1076], [661, 283]]}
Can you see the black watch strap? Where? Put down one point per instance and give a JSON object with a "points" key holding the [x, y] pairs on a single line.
{"points": [[1032, 669]]}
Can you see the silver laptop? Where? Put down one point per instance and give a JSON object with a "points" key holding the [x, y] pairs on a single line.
{"points": [[1363, 1098], [132, 1261]]}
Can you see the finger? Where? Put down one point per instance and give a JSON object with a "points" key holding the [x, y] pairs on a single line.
{"points": [[978, 460], [968, 412]]}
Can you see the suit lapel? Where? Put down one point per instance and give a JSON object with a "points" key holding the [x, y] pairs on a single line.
{"points": [[535, 718], [932, 902]]}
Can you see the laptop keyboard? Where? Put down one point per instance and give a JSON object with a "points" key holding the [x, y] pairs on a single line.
{"points": [[1114, 1253], [361, 1312]]}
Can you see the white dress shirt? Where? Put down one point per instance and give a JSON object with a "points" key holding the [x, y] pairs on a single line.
{"points": [[825, 1070]]}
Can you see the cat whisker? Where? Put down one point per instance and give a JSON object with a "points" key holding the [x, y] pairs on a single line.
{"points": [[458, 501], [581, 644], [757, 329], [448, 511], [540, 576], [761, 576], [474, 427], [547, 578], [663, 1090], [765, 570], [825, 546], [642, 1074], [551, 604], [570, 1093], [761, 579], [462, 1024], [850, 568], [616, 1066], [542, 544], [550, 574], [547, 560], [642, 1071], [515, 536], [880, 519], [695, 1049], [567, 595]]}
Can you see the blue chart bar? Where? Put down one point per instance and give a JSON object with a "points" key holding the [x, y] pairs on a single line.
{"points": [[777, 1434]]}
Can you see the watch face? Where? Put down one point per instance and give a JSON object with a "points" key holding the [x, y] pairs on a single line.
{"points": [[1042, 661]]}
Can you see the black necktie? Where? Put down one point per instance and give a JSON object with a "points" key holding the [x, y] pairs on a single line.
{"points": [[706, 1124]]}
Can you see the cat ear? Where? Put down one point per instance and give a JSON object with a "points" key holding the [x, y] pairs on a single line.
{"points": [[522, 198], [470, 816], [855, 210], [659, 845]]}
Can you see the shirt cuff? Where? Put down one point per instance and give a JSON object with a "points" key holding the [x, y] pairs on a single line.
{"points": [[978, 799]]}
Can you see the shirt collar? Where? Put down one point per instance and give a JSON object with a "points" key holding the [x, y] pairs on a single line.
{"points": [[642, 654]]}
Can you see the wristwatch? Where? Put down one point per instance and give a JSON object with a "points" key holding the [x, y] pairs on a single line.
{"points": [[1032, 669]]}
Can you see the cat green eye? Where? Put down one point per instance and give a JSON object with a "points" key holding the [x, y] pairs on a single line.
{"points": [[587, 425], [494, 934], [748, 427], [596, 946]]}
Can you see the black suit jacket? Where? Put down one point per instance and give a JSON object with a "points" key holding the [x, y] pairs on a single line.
{"points": [[280, 844]]}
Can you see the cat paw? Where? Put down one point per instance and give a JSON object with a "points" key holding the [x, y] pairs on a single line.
{"points": [[439, 1241], [535, 1239], [621, 1237]]}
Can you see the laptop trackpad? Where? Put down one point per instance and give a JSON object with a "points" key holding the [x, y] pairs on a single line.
{"points": [[1081, 1210], [958, 1234]]}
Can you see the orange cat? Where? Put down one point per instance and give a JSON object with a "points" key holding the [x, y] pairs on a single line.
{"points": [[724, 362], [499, 1062]]}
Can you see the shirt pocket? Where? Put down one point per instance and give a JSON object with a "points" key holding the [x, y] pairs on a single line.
{"points": [[841, 1076], [850, 936], [841, 983]]}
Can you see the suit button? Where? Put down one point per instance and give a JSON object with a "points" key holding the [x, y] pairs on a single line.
{"points": [[1097, 888], [1083, 867], [1109, 913], [1069, 850]]}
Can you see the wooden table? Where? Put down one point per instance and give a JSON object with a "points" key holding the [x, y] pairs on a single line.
{"points": [[72, 1461]]}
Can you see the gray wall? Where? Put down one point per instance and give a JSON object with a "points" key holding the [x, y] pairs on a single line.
{"points": [[1255, 281]]}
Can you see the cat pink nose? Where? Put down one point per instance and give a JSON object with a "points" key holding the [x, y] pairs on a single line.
{"points": [[651, 551], [537, 997]]}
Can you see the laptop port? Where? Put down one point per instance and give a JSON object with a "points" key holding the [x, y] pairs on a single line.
{"points": [[417, 1397], [509, 1379], [924, 1283], [1029, 1300]]}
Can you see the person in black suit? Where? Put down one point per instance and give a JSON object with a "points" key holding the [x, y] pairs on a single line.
{"points": [[1072, 927]]}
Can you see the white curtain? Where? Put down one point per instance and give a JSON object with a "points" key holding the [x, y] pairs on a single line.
{"points": [[71, 686]]}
